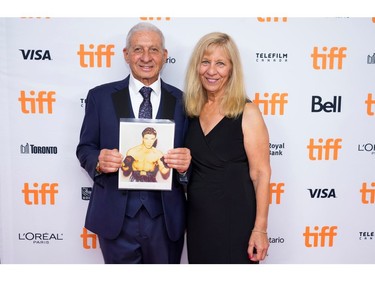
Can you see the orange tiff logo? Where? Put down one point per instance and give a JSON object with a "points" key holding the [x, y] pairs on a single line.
{"points": [[368, 194], [333, 55], [94, 55], [154, 18], [316, 150], [370, 102], [40, 193], [274, 19], [319, 237], [276, 189], [31, 104], [277, 101], [88, 239]]}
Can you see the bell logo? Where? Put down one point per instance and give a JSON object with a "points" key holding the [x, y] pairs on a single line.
{"points": [[370, 102], [275, 19], [95, 55], [318, 237], [45, 194], [276, 189], [35, 105], [88, 239], [316, 150], [320, 59], [270, 104], [368, 194], [330, 106]]}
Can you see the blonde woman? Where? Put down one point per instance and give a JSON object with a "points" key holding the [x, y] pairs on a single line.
{"points": [[228, 189]]}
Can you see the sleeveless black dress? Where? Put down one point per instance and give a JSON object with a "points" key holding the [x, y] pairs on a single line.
{"points": [[220, 193]]}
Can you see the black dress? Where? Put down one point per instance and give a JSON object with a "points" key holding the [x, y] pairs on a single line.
{"points": [[221, 196]]}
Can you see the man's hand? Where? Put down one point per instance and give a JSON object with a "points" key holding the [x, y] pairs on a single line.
{"points": [[109, 160]]}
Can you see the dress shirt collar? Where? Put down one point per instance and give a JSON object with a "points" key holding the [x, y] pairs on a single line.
{"points": [[135, 85]]}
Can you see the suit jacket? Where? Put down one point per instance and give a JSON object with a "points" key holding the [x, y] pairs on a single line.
{"points": [[105, 105]]}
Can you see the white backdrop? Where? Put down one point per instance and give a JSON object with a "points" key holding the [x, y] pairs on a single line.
{"points": [[313, 79]]}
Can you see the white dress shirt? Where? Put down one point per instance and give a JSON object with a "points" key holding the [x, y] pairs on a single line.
{"points": [[136, 97]]}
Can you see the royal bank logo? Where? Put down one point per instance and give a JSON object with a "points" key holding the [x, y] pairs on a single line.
{"points": [[271, 57], [36, 149], [277, 149], [40, 237], [367, 235], [86, 192], [371, 59]]}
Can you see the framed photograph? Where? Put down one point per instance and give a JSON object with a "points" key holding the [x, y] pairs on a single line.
{"points": [[143, 143]]}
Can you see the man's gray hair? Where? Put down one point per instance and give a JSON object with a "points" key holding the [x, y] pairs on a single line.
{"points": [[144, 26]]}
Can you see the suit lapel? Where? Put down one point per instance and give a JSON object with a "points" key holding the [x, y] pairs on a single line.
{"points": [[167, 105], [122, 103]]}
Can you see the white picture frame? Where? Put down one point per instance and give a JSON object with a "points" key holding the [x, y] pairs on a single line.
{"points": [[143, 167]]}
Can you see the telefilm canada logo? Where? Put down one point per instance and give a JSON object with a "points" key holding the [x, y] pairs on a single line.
{"points": [[83, 102], [271, 57], [37, 149], [367, 235], [40, 238]]}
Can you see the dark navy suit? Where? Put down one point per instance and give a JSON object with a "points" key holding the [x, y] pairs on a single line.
{"points": [[105, 105]]}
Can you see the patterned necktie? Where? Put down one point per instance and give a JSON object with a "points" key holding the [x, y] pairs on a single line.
{"points": [[145, 110]]}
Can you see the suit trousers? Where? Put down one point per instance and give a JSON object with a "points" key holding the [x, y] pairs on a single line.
{"points": [[143, 240]]}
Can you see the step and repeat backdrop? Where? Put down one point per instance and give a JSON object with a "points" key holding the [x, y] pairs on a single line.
{"points": [[312, 78]]}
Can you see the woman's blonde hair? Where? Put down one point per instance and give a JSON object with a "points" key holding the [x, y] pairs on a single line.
{"points": [[195, 96]]}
